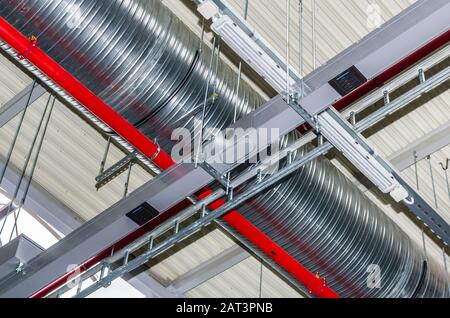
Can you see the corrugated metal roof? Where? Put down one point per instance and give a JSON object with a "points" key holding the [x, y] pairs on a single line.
{"points": [[73, 150]]}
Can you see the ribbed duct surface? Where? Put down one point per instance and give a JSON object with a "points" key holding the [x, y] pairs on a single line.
{"points": [[140, 59]]}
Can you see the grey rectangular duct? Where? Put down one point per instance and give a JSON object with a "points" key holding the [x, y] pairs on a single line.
{"points": [[17, 253]]}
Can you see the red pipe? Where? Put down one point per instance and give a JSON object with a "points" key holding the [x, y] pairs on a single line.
{"points": [[394, 70], [29, 50]]}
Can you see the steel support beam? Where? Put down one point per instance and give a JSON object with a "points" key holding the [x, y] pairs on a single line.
{"points": [[18, 103], [425, 146], [179, 182], [209, 269], [42, 204], [150, 287]]}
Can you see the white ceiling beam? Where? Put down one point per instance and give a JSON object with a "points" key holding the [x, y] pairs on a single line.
{"points": [[42, 205], [209, 269], [19, 102], [150, 287]]}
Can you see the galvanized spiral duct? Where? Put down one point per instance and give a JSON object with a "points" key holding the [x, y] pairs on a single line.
{"points": [[140, 59]]}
